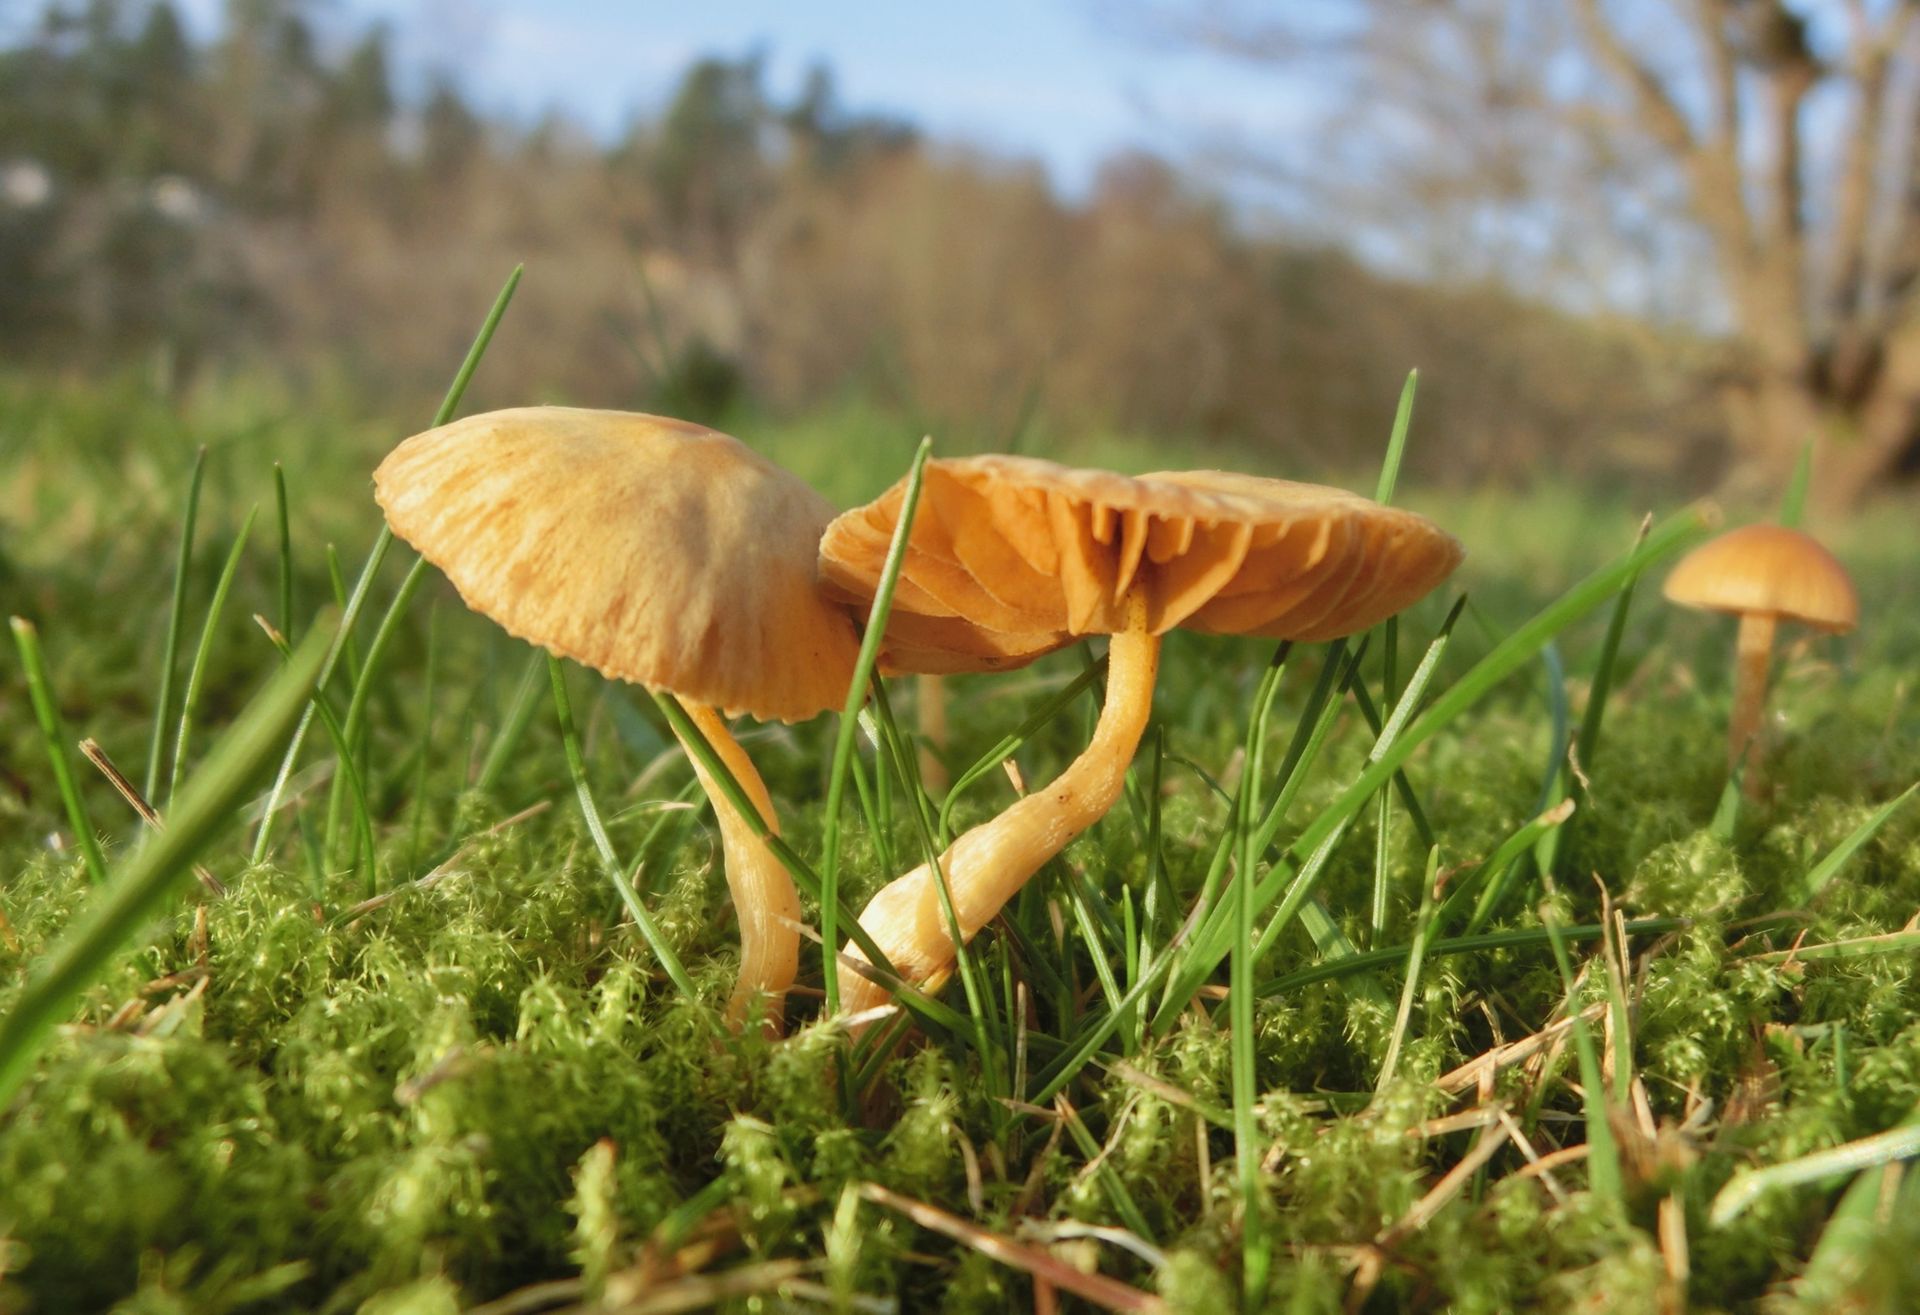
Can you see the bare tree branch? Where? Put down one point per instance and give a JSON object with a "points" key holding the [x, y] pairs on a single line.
{"points": [[1714, 169]]}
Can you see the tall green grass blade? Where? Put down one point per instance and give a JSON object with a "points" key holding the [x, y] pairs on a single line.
{"points": [[900, 749], [1726, 813], [1397, 441], [1389, 956], [1594, 718], [284, 514], [1749, 1185], [416, 832], [1603, 1155], [355, 725], [53, 734], [849, 722], [337, 581], [1827, 868], [1301, 885], [350, 615], [1009, 744], [1854, 947], [176, 614], [985, 1031], [1242, 1043], [1497, 872], [197, 673], [1409, 797], [520, 712], [1502, 661], [1111, 1183], [1416, 958], [609, 861], [346, 765], [1850, 1234], [1563, 780], [1793, 501], [802, 872], [139, 889]]}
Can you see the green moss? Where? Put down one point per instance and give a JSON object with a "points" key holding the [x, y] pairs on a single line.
{"points": [[487, 1082]]}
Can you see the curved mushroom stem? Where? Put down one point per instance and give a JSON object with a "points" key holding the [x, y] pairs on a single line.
{"points": [[762, 891], [990, 863], [1754, 656]]}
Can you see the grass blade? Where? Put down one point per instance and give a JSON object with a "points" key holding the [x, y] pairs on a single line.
{"points": [[350, 615], [139, 889], [1749, 1185], [1508, 656], [1530, 937], [1397, 441], [1603, 1155], [526, 701], [1416, 957], [53, 733], [849, 723], [1010, 744], [1824, 871], [197, 673], [1793, 502], [610, 861], [802, 872], [170, 650], [284, 515], [1240, 993]]}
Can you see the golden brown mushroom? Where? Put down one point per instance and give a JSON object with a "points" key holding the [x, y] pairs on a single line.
{"points": [[1011, 557], [657, 552], [1763, 574]]}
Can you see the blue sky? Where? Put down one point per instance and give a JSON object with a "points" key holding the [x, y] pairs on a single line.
{"points": [[1067, 81]]}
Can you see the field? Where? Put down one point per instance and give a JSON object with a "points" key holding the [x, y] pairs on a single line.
{"points": [[416, 1055]]}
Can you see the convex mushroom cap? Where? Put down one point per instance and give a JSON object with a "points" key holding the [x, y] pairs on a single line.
{"points": [[658, 552], [1768, 570], [1012, 557], [652, 550]]}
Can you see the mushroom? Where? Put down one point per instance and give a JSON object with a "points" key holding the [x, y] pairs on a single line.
{"points": [[1011, 557], [1763, 574], [657, 552]]}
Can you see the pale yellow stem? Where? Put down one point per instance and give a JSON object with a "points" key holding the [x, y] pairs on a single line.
{"points": [[1751, 662], [932, 691], [763, 893], [988, 865]]}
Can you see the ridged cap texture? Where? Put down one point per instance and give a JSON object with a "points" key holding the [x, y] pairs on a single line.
{"points": [[1012, 557]]}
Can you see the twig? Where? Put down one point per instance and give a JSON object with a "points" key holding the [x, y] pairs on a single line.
{"points": [[90, 749]]}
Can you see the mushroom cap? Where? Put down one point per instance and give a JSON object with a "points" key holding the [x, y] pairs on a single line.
{"points": [[652, 550], [1015, 556], [1768, 570]]}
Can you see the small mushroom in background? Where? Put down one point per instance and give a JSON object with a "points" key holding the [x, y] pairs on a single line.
{"points": [[1763, 574], [656, 552], [1013, 557]]}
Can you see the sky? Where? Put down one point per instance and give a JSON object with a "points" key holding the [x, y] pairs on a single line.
{"points": [[1065, 81]]}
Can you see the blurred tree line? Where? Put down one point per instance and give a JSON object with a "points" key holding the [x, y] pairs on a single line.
{"points": [[267, 200]]}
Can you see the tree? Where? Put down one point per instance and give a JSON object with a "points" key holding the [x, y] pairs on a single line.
{"points": [[707, 163], [1771, 145]]}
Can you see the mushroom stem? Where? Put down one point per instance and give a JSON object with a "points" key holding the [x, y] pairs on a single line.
{"points": [[932, 691], [1754, 656], [763, 893], [988, 865]]}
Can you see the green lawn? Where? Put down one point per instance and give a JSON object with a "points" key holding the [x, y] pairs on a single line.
{"points": [[435, 1074]]}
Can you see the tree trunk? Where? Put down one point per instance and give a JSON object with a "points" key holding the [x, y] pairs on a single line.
{"points": [[1770, 417], [1885, 436], [1861, 448]]}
